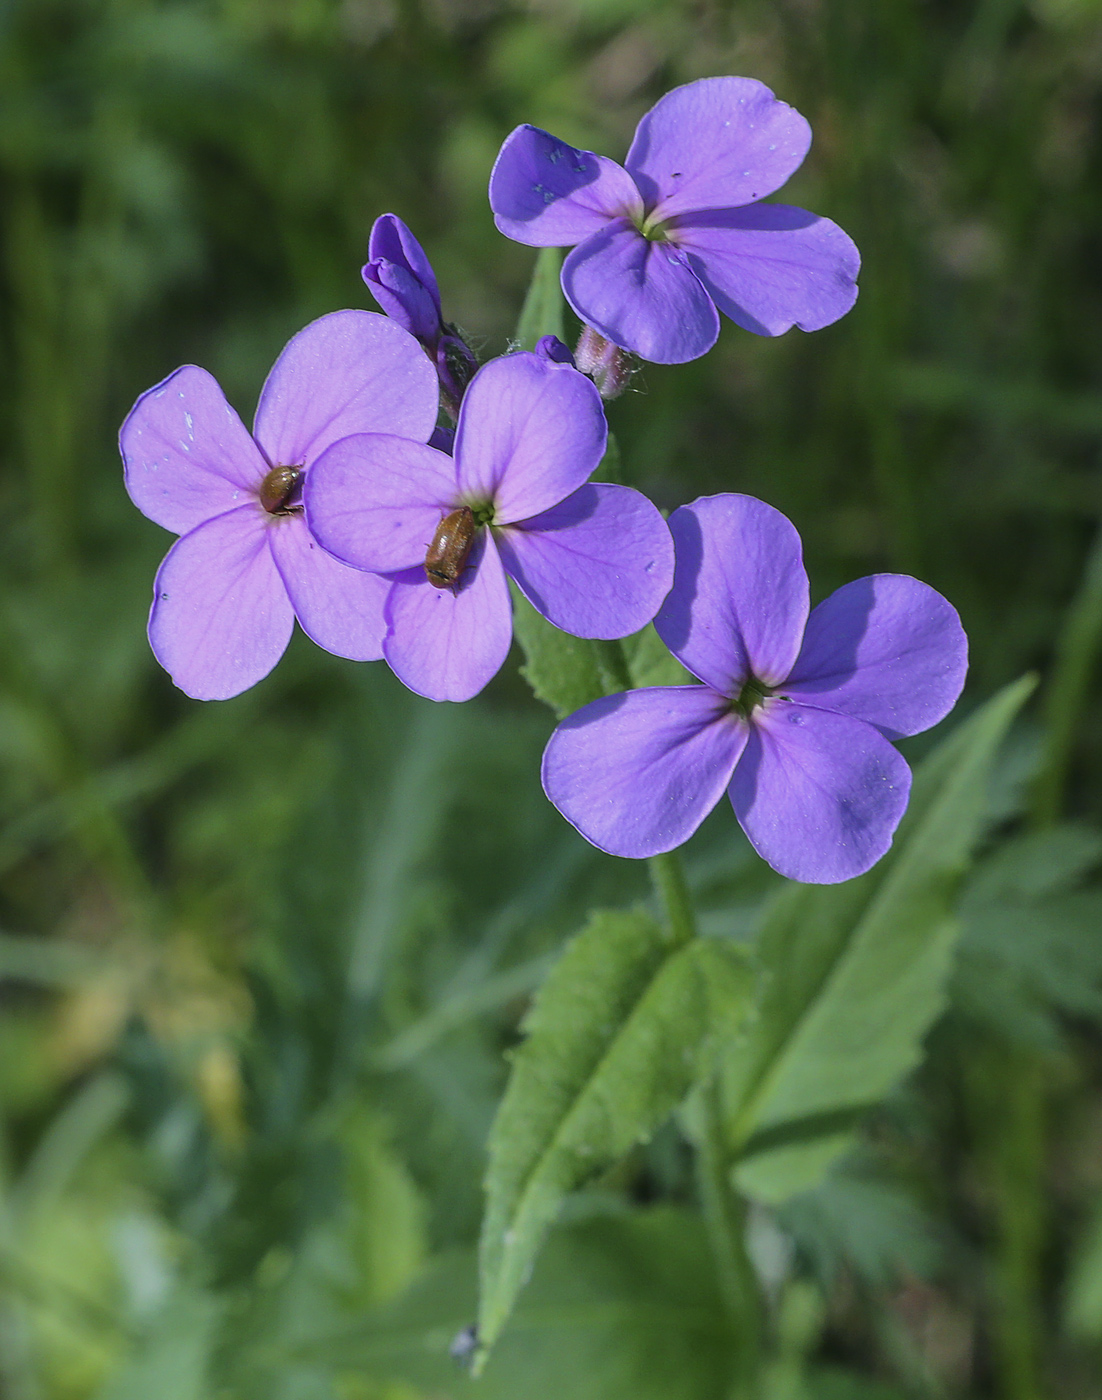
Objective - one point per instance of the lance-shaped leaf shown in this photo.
(856, 974)
(618, 1034)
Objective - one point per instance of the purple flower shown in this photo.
(513, 501)
(678, 236)
(400, 278)
(246, 565)
(793, 717)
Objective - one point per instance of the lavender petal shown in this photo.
(818, 794)
(739, 599)
(374, 500)
(640, 294)
(339, 608)
(548, 194)
(715, 143)
(221, 618)
(447, 643)
(886, 649)
(187, 455)
(530, 432)
(596, 565)
(637, 773)
(772, 266)
(349, 372)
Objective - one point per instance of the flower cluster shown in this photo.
(391, 489)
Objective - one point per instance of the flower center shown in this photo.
(655, 230)
(750, 697)
(277, 488)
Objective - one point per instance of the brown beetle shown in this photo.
(277, 487)
(447, 555)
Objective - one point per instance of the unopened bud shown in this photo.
(607, 365)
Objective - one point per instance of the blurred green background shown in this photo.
(259, 960)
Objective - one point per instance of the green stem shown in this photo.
(667, 876)
(725, 1219)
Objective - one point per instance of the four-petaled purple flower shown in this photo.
(514, 500)
(794, 715)
(679, 233)
(400, 278)
(227, 594)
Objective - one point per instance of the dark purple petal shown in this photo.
(548, 194)
(772, 266)
(339, 608)
(349, 372)
(597, 565)
(637, 773)
(374, 501)
(886, 649)
(715, 143)
(818, 794)
(221, 618)
(392, 240)
(187, 455)
(446, 643)
(530, 432)
(641, 294)
(403, 298)
(443, 439)
(739, 599)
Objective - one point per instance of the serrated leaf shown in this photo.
(857, 974)
(542, 312)
(619, 1032)
(619, 1306)
(562, 670)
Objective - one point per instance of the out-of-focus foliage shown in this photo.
(261, 961)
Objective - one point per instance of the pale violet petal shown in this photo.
(637, 773)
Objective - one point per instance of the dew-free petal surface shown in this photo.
(637, 773)
(221, 618)
(597, 565)
(446, 643)
(375, 500)
(818, 794)
(338, 607)
(641, 295)
(772, 266)
(348, 372)
(187, 454)
(885, 649)
(391, 239)
(530, 432)
(550, 195)
(740, 596)
(715, 143)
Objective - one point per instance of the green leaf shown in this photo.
(563, 671)
(857, 974)
(542, 313)
(616, 1037)
(651, 662)
(620, 1306)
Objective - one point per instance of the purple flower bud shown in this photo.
(550, 347)
(607, 365)
(403, 298)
